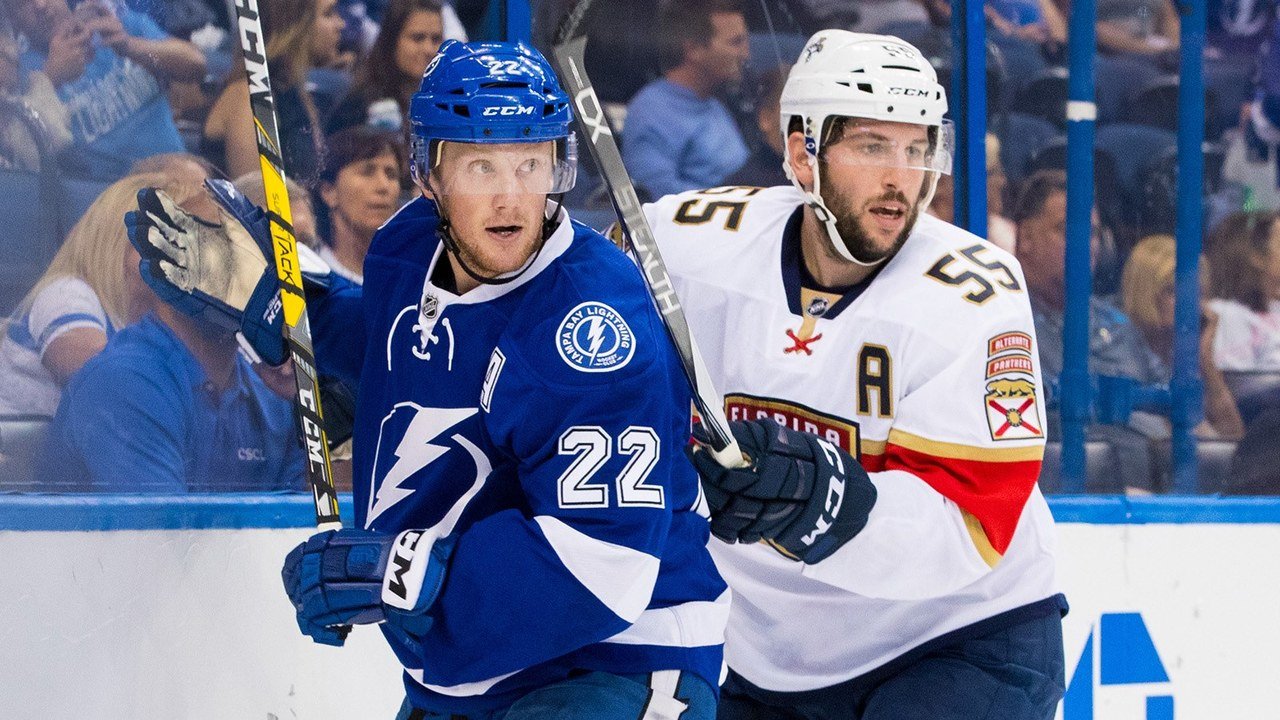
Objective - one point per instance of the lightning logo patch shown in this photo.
(420, 445)
(593, 337)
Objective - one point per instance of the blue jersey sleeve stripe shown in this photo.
(620, 577)
(67, 322)
(688, 625)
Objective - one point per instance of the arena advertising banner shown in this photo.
(171, 609)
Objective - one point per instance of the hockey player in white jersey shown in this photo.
(889, 551)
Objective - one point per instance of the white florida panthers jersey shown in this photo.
(928, 372)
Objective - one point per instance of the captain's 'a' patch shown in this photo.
(593, 337)
(1012, 409)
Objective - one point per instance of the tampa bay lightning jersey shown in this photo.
(543, 422)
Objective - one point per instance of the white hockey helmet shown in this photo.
(877, 77)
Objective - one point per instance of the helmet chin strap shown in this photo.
(444, 230)
(828, 219)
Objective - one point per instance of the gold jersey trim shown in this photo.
(957, 451)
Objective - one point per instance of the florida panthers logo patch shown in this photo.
(593, 337)
(1011, 409)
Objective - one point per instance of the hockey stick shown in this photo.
(568, 53)
(297, 328)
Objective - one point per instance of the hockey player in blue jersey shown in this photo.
(526, 533)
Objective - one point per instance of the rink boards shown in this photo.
(173, 608)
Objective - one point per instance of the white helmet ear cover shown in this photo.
(825, 216)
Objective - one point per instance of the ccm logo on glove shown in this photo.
(410, 557)
(835, 493)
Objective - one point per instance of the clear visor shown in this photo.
(892, 144)
(543, 168)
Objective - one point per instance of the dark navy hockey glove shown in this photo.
(353, 576)
(799, 493)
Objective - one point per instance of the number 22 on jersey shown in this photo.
(593, 448)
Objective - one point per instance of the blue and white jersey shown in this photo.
(547, 418)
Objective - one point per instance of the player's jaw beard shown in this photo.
(856, 239)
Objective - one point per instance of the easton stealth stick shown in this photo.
(297, 328)
(568, 53)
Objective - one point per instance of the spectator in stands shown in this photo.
(1036, 21)
(764, 167)
(864, 16)
(387, 77)
(90, 290)
(34, 125)
(359, 190)
(110, 65)
(1147, 289)
(1145, 28)
(171, 406)
(1116, 348)
(301, 35)
(1252, 154)
(678, 135)
(1245, 253)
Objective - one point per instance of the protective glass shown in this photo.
(886, 144)
(543, 168)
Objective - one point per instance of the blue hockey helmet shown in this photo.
(492, 92)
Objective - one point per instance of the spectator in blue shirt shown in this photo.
(110, 66)
(171, 406)
(678, 135)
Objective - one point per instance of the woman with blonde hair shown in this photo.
(300, 35)
(1245, 248)
(1147, 291)
(90, 290)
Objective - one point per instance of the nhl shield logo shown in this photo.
(430, 306)
(1011, 409)
(593, 337)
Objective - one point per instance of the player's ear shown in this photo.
(799, 159)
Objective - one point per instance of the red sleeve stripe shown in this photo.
(991, 484)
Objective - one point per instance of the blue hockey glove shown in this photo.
(802, 495)
(220, 272)
(353, 576)
(206, 270)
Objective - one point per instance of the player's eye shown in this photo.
(871, 149)
(530, 166)
(480, 167)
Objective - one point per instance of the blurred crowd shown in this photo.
(105, 387)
